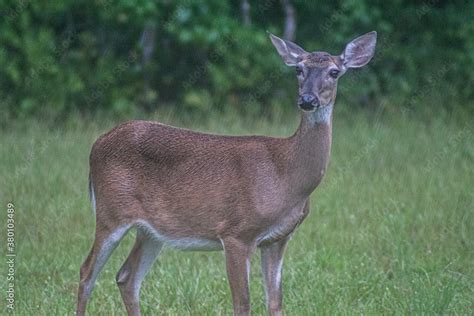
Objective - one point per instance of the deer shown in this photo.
(197, 191)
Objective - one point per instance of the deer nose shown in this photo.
(308, 101)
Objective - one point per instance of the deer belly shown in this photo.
(181, 243)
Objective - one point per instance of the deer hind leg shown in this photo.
(105, 242)
(133, 271)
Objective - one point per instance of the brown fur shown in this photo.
(191, 184)
(320, 60)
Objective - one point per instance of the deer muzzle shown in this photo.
(308, 102)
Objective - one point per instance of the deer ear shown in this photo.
(360, 51)
(289, 51)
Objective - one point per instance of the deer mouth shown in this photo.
(307, 106)
(310, 107)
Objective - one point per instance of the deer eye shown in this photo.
(299, 70)
(334, 73)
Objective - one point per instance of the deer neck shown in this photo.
(310, 150)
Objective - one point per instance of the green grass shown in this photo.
(391, 228)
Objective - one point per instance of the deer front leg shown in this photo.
(272, 261)
(237, 255)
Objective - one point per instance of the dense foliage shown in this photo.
(118, 56)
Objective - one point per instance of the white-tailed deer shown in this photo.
(196, 191)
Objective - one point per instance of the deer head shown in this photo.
(318, 72)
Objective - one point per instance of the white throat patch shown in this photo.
(321, 115)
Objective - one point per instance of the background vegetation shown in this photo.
(391, 228)
(124, 56)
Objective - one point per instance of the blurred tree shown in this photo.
(246, 12)
(120, 55)
(290, 20)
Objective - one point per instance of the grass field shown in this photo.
(391, 228)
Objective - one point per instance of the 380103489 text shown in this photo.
(10, 257)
